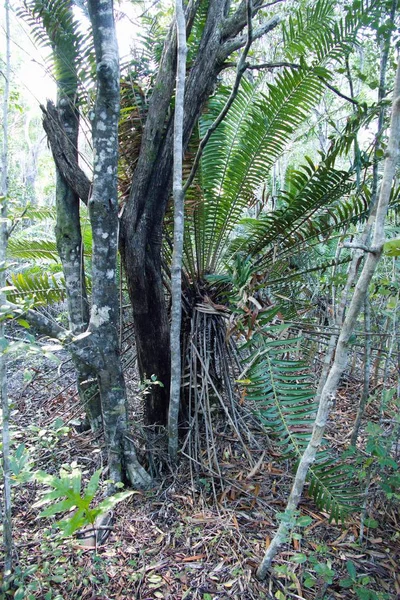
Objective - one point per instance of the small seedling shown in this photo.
(66, 496)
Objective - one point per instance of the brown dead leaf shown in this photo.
(193, 558)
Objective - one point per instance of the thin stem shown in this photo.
(176, 268)
(7, 523)
(367, 373)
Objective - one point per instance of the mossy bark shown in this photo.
(103, 341)
(68, 227)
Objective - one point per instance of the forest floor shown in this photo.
(191, 537)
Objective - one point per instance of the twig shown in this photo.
(358, 246)
(337, 92)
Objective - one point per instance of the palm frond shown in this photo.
(284, 399)
(308, 28)
(53, 25)
(258, 127)
(314, 198)
(37, 213)
(317, 35)
(44, 288)
(29, 249)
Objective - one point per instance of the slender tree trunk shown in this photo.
(7, 524)
(176, 269)
(341, 354)
(367, 372)
(68, 228)
(103, 210)
(70, 250)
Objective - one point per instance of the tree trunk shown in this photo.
(70, 250)
(142, 220)
(68, 227)
(103, 210)
(176, 268)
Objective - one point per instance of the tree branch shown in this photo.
(337, 92)
(234, 24)
(232, 45)
(276, 65)
(297, 66)
(358, 246)
(42, 323)
(64, 153)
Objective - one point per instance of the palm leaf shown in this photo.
(314, 205)
(29, 249)
(53, 25)
(259, 125)
(44, 288)
(284, 399)
(308, 28)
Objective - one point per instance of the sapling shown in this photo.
(341, 353)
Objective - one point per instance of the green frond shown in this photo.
(44, 288)
(255, 134)
(52, 24)
(239, 156)
(280, 389)
(317, 34)
(331, 487)
(308, 28)
(314, 199)
(37, 213)
(197, 30)
(29, 249)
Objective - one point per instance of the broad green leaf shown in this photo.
(92, 486)
(61, 506)
(392, 247)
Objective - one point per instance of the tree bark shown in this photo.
(341, 354)
(65, 121)
(176, 268)
(103, 210)
(65, 152)
(367, 373)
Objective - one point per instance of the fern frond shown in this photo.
(28, 249)
(257, 131)
(317, 35)
(238, 158)
(314, 197)
(281, 391)
(332, 488)
(44, 288)
(37, 213)
(53, 25)
(308, 28)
